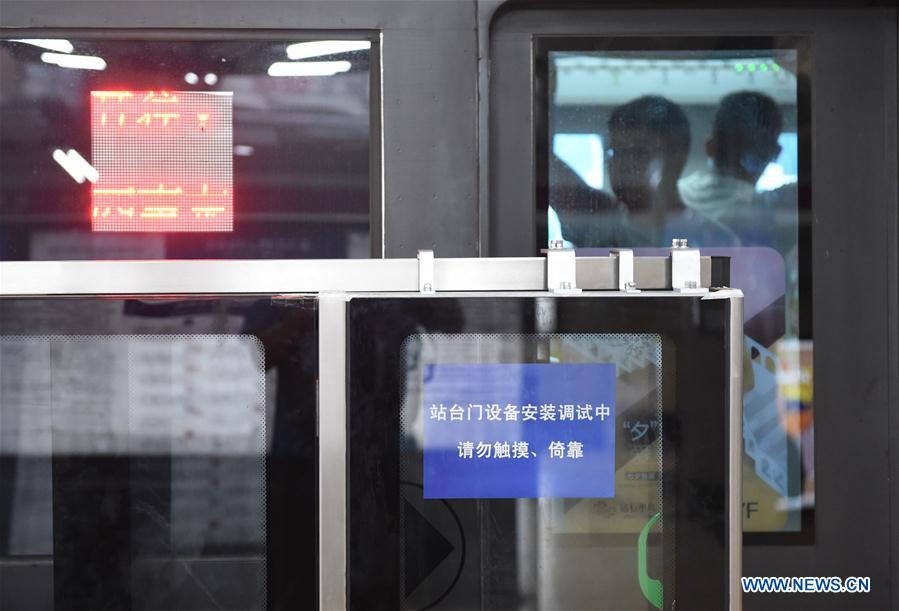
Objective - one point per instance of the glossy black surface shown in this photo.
(387, 549)
(158, 454)
(301, 164)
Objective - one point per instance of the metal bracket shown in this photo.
(426, 271)
(561, 269)
(625, 257)
(685, 268)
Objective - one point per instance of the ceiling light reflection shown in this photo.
(75, 165)
(62, 159)
(308, 68)
(319, 48)
(80, 62)
(51, 44)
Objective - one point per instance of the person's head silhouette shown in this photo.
(649, 140)
(744, 135)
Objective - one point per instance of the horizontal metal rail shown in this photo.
(208, 277)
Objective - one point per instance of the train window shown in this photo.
(158, 454)
(643, 140)
(151, 146)
(507, 452)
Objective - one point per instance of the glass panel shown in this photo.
(704, 139)
(158, 454)
(505, 422)
(529, 453)
(242, 148)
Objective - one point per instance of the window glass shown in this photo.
(147, 148)
(547, 453)
(503, 415)
(703, 139)
(157, 454)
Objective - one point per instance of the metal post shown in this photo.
(332, 452)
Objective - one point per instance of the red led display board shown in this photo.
(164, 160)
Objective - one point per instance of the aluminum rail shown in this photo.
(207, 277)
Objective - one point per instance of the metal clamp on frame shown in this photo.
(625, 258)
(561, 269)
(426, 271)
(685, 268)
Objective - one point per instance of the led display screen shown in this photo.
(163, 161)
(207, 145)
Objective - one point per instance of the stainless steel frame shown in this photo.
(332, 461)
(338, 281)
(735, 468)
(333, 443)
(27, 278)
(735, 464)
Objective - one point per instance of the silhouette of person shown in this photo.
(649, 142)
(744, 141)
(575, 206)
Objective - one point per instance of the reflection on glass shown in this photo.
(301, 146)
(570, 577)
(648, 146)
(157, 455)
(619, 507)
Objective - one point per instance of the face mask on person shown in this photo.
(752, 164)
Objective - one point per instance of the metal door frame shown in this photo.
(335, 282)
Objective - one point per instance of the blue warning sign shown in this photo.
(519, 431)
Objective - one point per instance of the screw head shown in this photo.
(556, 244)
(565, 285)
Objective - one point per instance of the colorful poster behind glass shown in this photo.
(163, 161)
(519, 431)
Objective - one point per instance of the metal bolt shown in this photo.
(679, 243)
(556, 244)
(629, 286)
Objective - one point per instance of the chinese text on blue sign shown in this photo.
(519, 431)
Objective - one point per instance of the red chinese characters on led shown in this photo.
(164, 160)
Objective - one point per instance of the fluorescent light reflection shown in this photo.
(76, 166)
(308, 68)
(51, 44)
(79, 62)
(319, 48)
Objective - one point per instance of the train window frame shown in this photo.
(541, 47)
(376, 197)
